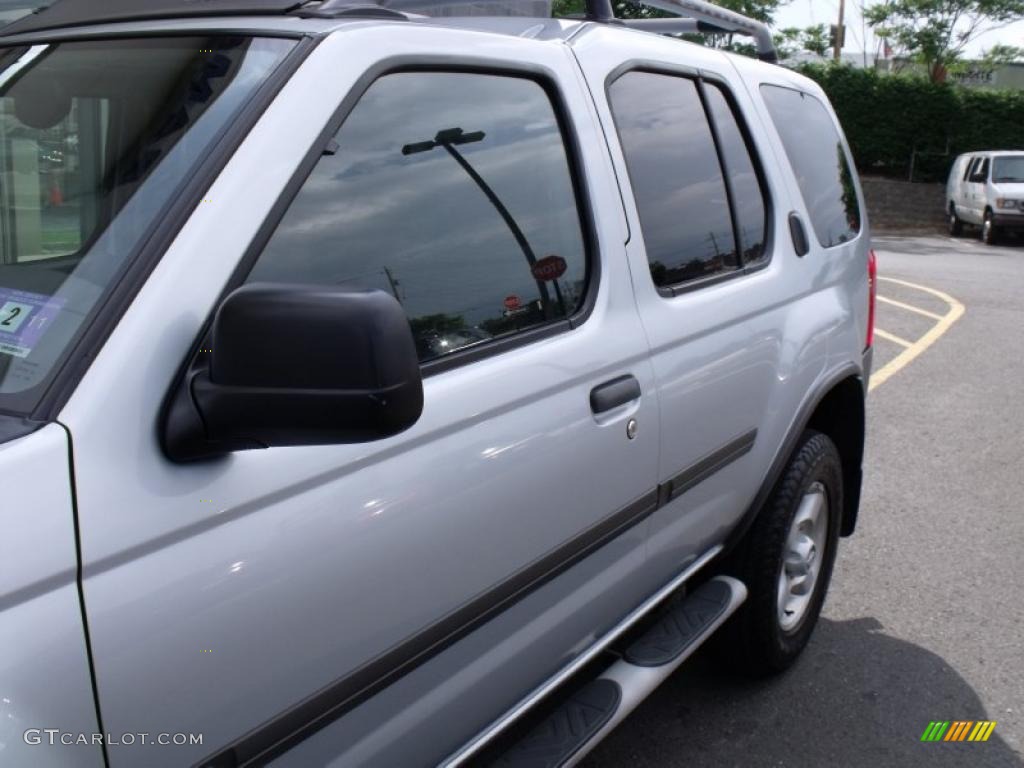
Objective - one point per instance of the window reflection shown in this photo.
(747, 193)
(452, 192)
(819, 160)
(676, 176)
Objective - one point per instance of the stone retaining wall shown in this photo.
(904, 206)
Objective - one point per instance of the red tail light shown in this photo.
(872, 291)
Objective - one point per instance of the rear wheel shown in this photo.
(989, 230)
(956, 225)
(786, 561)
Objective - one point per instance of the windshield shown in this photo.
(96, 138)
(1008, 170)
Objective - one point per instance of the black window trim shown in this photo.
(538, 73)
(984, 169)
(861, 203)
(701, 76)
(104, 316)
(970, 167)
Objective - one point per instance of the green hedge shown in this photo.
(887, 118)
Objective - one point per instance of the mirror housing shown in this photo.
(297, 365)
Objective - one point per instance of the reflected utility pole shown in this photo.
(393, 283)
(448, 139)
(837, 53)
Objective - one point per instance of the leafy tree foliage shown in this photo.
(935, 32)
(889, 119)
(792, 40)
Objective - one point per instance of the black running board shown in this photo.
(559, 736)
(681, 626)
(580, 722)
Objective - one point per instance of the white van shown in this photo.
(987, 189)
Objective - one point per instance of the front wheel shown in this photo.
(989, 231)
(956, 224)
(786, 561)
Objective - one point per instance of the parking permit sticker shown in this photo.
(24, 318)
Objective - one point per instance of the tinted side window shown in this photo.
(676, 177)
(970, 168)
(748, 196)
(983, 171)
(816, 153)
(451, 191)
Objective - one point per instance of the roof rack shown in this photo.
(693, 15)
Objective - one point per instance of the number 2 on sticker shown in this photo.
(15, 311)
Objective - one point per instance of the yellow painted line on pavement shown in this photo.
(943, 324)
(893, 338)
(909, 308)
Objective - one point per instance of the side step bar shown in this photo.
(586, 717)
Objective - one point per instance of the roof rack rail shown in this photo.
(693, 15)
(707, 17)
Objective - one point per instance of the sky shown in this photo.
(803, 13)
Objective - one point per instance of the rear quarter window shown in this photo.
(816, 153)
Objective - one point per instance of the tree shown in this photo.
(1000, 54)
(793, 40)
(936, 32)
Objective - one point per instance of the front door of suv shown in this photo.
(404, 592)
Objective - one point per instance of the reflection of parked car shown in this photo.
(244, 516)
(986, 189)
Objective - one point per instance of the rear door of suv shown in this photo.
(737, 326)
(406, 591)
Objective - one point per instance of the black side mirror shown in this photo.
(297, 365)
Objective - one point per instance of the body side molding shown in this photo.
(291, 726)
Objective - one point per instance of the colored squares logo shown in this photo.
(958, 730)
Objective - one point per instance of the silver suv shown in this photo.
(380, 389)
(986, 189)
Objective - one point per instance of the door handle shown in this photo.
(614, 393)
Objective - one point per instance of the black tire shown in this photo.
(754, 640)
(989, 231)
(956, 224)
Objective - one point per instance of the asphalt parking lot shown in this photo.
(925, 618)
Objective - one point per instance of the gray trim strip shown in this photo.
(710, 464)
(276, 736)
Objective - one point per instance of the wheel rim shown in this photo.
(987, 230)
(802, 557)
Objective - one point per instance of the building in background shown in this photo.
(975, 74)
